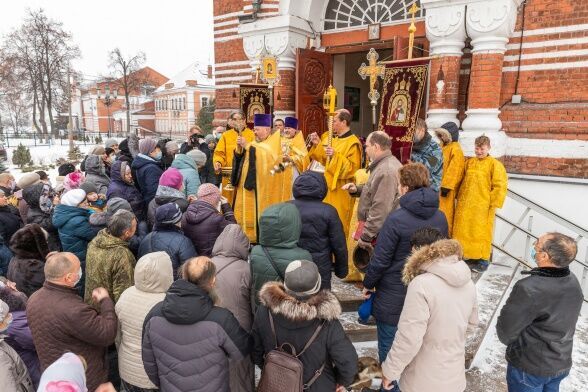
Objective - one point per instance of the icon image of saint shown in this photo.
(399, 111)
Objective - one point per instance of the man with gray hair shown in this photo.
(109, 262)
(538, 321)
(377, 197)
(61, 322)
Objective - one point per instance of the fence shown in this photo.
(11, 139)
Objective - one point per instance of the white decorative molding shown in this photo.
(546, 44)
(445, 29)
(547, 148)
(438, 117)
(281, 114)
(482, 120)
(490, 24)
(253, 45)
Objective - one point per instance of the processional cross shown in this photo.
(373, 70)
(412, 29)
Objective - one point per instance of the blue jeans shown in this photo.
(386, 333)
(519, 381)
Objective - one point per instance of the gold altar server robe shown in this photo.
(340, 170)
(265, 189)
(227, 144)
(482, 191)
(297, 151)
(453, 167)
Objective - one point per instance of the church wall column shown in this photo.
(445, 28)
(490, 24)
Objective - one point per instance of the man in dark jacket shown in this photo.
(10, 220)
(322, 231)
(203, 223)
(187, 340)
(40, 197)
(30, 248)
(427, 151)
(538, 321)
(419, 207)
(61, 322)
(298, 307)
(196, 140)
(147, 169)
(168, 237)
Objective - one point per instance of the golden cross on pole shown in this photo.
(373, 70)
(412, 28)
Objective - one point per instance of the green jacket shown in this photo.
(279, 231)
(109, 264)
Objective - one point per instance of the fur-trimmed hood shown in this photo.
(323, 305)
(443, 135)
(442, 258)
(30, 242)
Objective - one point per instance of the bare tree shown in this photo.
(125, 70)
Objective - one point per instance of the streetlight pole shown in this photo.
(108, 100)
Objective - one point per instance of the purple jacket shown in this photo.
(202, 224)
(119, 188)
(20, 339)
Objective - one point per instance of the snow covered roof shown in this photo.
(194, 72)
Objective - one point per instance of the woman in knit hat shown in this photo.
(73, 180)
(41, 198)
(96, 201)
(203, 222)
(147, 169)
(25, 181)
(123, 186)
(169, 190)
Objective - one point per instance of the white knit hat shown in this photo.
(73, 198)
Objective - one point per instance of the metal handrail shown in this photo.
(548, 213)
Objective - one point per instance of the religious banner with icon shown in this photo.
(404, 88)
(254, 99)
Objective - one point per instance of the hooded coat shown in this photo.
(188, 341)
(428, 352)
(20, 339)
(153, 277)
(32, 194)
(418, 208)
(26, 268)
(171, 240)
(295, 321)
(202, 223)
(147, 173)
(109, 264)
(13, 371)
(75, 231)
(119, 188)
(233, 286)
(279, 232)
(96, 173)
(164, 195)
(189, 170)
(322, 231)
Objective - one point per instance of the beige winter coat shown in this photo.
(153, 276)
(428, 353)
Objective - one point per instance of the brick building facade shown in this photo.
(512, 69)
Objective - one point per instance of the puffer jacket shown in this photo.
(153, 277)
(165, 194)
(418, 208)
(96, 173)
(429, 153)
(171, 240)
(279, 233)
(109, 264)
(202, 223)
(10, 221)
(233, 286)
(32, 194)
(189, 170)
(75, 231)
(26, 268)
(147, 172)
(322, 231)
(187, 341)
(60, 321)
(428, 353)
(20, 339)
(119, 188)
(295, 321)
(13, 372)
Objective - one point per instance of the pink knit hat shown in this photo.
(172, 178)
(73, 180)
(209, 193)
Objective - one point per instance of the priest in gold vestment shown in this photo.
(255, 187)
(345, 160)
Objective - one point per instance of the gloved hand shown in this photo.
(445, 192)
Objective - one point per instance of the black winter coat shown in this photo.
(418, 209)
(171, 240)
(202, 224)
(147, 172)
(119, 188)
(32, 194)
(187, 341)
(10, 221)
(295, 321)
(158, 201)
(322, 231)
(538, 321)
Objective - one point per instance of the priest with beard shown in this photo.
(255, 187)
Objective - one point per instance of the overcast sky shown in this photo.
(172, 33)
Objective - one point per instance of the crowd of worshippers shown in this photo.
(132, 273)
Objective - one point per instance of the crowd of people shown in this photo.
(137, 271)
